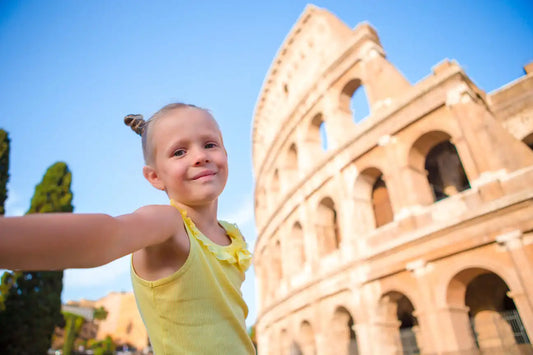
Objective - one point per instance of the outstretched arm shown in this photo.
(55, 241)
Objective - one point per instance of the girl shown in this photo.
(186, 267)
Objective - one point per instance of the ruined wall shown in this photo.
(397, 231)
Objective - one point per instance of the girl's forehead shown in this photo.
(186, 122)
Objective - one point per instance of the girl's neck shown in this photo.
(203, 216)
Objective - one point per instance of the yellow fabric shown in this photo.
(199, 309)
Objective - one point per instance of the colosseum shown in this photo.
(407, 232)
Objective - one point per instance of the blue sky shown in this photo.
(70, 71)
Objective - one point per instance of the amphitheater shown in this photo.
(409, 231)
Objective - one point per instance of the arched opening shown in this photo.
(284, 342)
(297, 249)
(295, 349)
(381, 203)
(495, 321)
(445, 172)
(343, 340)
(354, 100)
(277, 267)
(323, 136)
(490, 320)
(371, 201)
(400, 326)
(314, 134)
(275, 191)
(291, 166)
(307, 336)
(408, 326)
(528, 140)
(327, 229)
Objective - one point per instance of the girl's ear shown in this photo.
(151, 175)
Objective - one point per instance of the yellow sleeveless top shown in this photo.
(199, 309)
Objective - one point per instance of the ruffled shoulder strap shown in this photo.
(235, 253)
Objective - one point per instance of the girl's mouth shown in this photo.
(203, 174)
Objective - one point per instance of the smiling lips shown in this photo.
(203, 174)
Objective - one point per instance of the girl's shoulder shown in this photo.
(166, 257)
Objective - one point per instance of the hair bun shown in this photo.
(136, 123)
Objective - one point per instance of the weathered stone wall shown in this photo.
(407, 226)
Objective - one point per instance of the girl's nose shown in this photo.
(201, 158)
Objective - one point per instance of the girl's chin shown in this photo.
(197, 201)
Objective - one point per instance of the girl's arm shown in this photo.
(55, 241)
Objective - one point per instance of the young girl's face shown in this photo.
(190, 162)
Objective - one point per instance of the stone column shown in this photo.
(523, 267)
(381, 79)
(455, 331)
(483, 133)
(339, 125)
(386, 335)
(365, 342)
(394, 185)
(428, 332)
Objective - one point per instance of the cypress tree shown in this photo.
(7, 277)
(4, 168)
(33, 304)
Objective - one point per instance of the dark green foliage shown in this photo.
(100, 313)
(73, 324)
(30, 316)
(53, 193)
(7, 279)
(4, 168)
(104, 347)
(6, 282)
(33, 303)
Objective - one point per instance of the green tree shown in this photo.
(73, 325)
(4, 168)
(33, 303)
(104, 347)
(7, 279)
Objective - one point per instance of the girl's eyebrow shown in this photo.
(211, 136)
(175, 144)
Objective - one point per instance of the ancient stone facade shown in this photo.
(123, 322)
(410, 231)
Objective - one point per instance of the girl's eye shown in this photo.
(179, 152)
(210, 145)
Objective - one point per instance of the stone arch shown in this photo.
(399, 324)
(275, 190)
(371, 199)
(487, 308)
(327, 226)
(297, 250)
(284, 342)
(353, 100)
(381, 203)
(291, 167)
(434, 150)
(343, 338)
(450, 290)
(307, 339)
(277, 266)
(445, 172)
(313, 137)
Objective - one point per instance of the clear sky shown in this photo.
(70, 71)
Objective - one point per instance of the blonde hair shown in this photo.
(137, 123)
